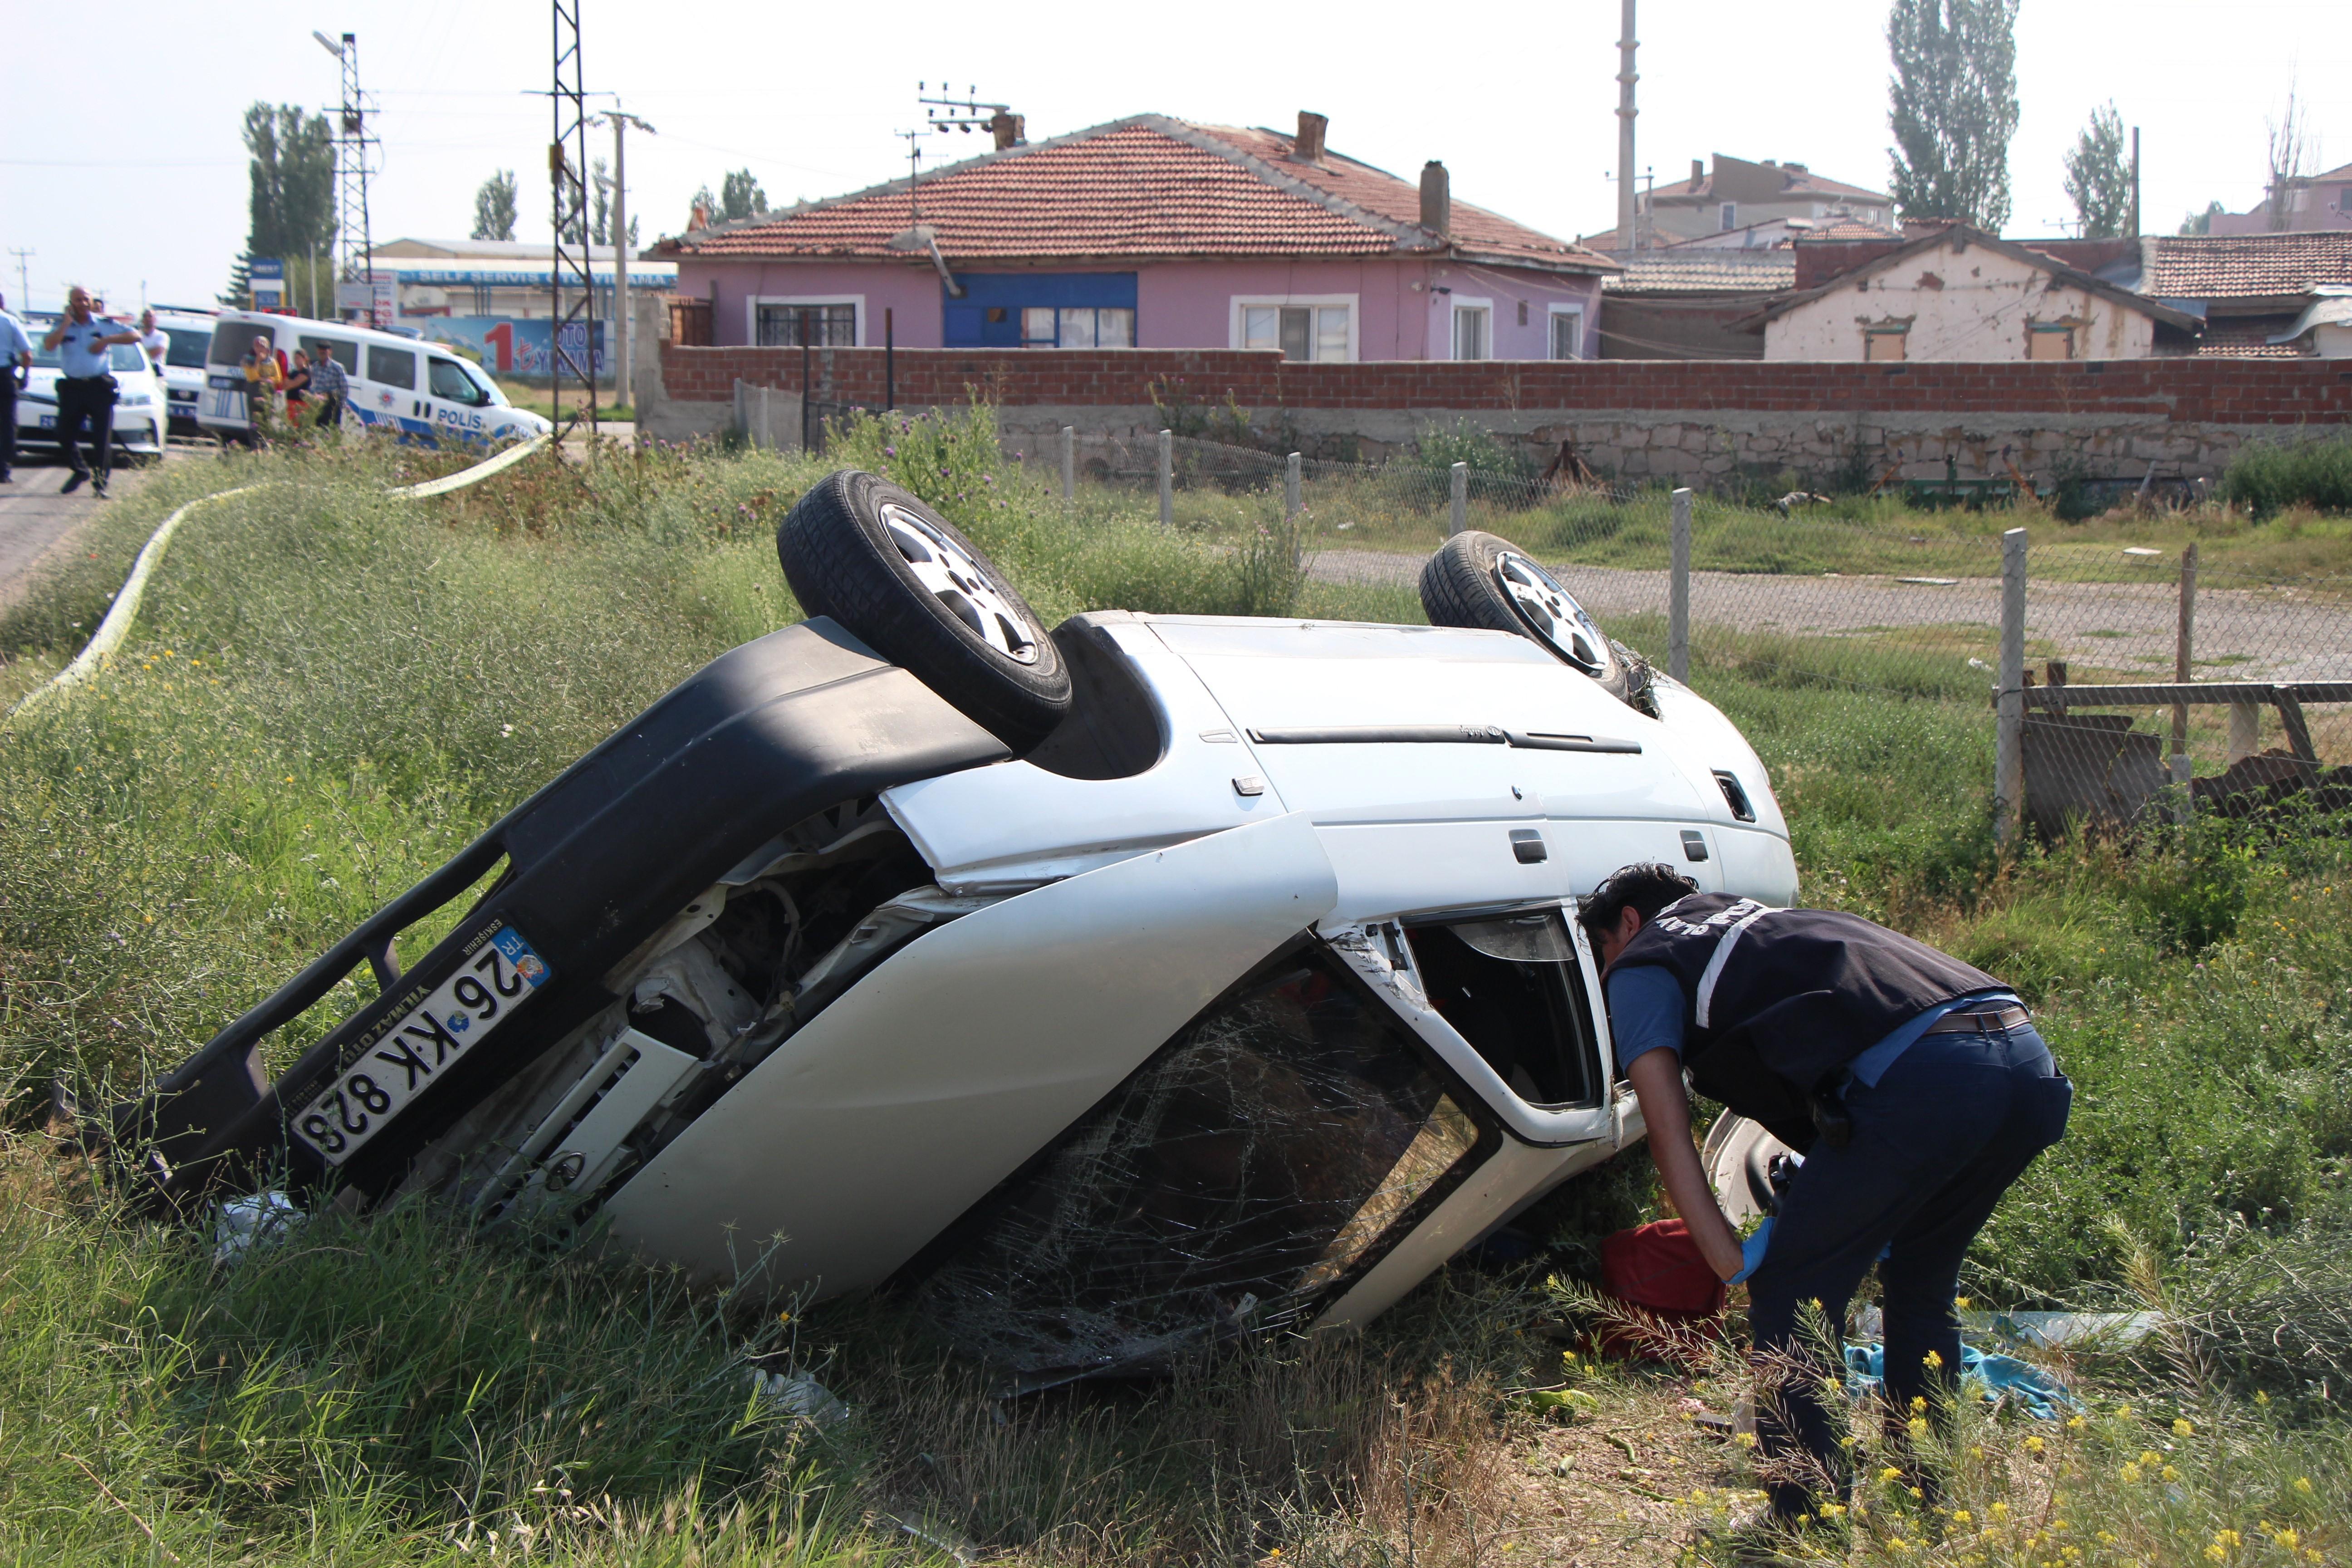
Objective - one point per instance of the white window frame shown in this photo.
(1731, 218)
(751, 312)
(1237, 319)
(1469, 302)
(1553, 311)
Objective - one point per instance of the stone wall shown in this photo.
(1689, 421)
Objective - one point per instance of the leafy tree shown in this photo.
(2202, 223)
(290, 206)
(740, 196)
(2099, 176)
(1954, 108)
(494, 206)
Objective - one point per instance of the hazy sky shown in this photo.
(121, 165)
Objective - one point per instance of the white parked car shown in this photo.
(1112, 989)
(191, 336)
(139, 411)
(412, 389)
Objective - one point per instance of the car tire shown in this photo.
(1487, 583)
(904, 580)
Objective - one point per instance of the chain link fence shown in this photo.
(1870, 594)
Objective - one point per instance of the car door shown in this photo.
(455, 404)
(392, 398)
(912, 1097)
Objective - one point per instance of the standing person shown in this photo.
(296, 388)
(1916, 1087)
(263, 376)
(153, 341)
(85, 389)
(15, 364)
(330, 386)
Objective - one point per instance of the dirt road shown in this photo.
(37, 524)
(2241, 633)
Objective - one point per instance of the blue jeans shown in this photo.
(1948, 1128)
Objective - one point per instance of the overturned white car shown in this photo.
(1108, 990)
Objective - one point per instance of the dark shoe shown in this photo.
(97, 487)
(73, 483)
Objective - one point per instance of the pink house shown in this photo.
(1152, 233)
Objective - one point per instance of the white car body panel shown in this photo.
(868, 1131)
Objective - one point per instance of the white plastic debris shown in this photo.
(241, 1224)
(801, 1396)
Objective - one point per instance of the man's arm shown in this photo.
(56, 334)
(1665, 1110)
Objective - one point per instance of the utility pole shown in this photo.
(2134, 210)
(23, 276)
(351, 142)
(1627, 77)
(573, 263)
(624, 390)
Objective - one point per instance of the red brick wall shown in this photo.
(2207, 390)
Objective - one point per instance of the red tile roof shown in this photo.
(2227, 339)
(1146, 187)
(2243, 266)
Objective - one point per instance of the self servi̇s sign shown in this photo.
(509, 346)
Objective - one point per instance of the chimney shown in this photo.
(1308, 148)
(1436, 198)
(1010, 130)
(1698, 172)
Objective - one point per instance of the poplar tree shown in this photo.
(494, 206)
(1953, 108)
(290, 200)
(2098, 176)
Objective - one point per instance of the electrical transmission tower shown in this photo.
(573, 283)
(351, 144)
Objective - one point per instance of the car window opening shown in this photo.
(1266, 1156)
(1513, 989)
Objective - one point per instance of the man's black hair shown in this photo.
(1648, 886)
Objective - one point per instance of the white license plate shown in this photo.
(48, 421)
(415, 1047)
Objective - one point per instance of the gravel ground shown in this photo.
(2241, 633)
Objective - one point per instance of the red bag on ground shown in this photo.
(1658, 1268)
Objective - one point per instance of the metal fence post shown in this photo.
(2181, 672)
(1290, 476)
(1457, 507)
(1678, 591)
(1069, 464)
(1168, 479)
(2008, 741)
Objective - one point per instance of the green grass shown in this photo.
(330, 691)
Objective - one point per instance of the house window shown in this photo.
(2052, 340)
(1300, 331)
(1730, 214)
(1567, 334)
(1884, 344)
(1078, 327)
(1471, 338)
(829, 325)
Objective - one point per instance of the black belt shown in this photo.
(1982, 1021)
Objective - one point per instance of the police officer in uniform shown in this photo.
(1915, 1088)
(15, 361)
(85, 389)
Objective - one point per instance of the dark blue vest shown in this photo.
(1775, 1001)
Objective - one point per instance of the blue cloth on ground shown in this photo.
(2035, 1391)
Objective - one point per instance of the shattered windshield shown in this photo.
(1266, 1156)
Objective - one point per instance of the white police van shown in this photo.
(412, 389)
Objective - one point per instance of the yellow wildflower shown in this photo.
(2034, 1445)
(2288, 1538)
(1918, 1426)
(1918, 1404)
(2303, 1485)
(2169, 1474)
(1962, 1516)
(1999, 1510)
(1890, 1474)
(1934, 1359)
(2181, 1429)
(2128, 1475)
(2150, 1458)
(1961, 1303)
(1746, 1439)
(2074, 1424)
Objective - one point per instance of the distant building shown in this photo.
(501, 278)
(1683, 303)
(2314, 203)
(1154, 233)
(1771, 198)
(1957, 293)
